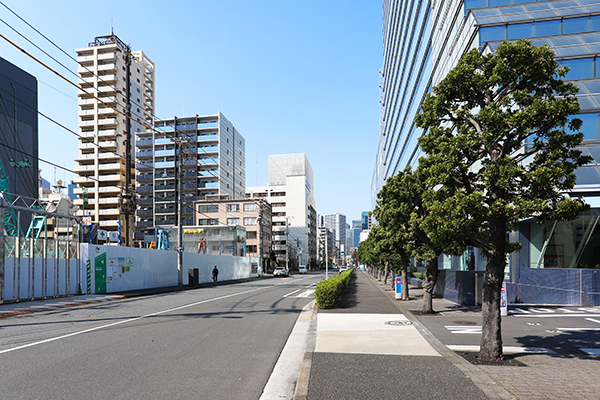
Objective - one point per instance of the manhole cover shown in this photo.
(398, 323)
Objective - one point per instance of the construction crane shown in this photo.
(10, 217)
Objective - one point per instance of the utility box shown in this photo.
(193, 277)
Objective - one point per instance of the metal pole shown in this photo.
(326, 257)
(179, 205)
(2, 267)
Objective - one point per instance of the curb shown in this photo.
(301, 392)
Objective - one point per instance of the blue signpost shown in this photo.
(398, 287)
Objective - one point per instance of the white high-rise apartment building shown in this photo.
(103, 72)
(290, 193)
(213, 161)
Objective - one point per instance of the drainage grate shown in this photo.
(398, 323)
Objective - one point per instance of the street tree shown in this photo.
(500, 146)
(392, 212)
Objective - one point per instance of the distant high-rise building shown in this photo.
(213, 158)
(337, 223)
(120, 80)
(290, 193)
(366, 220)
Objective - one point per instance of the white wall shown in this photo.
(119, 269)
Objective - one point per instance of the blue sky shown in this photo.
(292, 76)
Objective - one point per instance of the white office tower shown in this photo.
(290, 193)
(116, 82)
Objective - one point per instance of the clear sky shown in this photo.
(292, 76)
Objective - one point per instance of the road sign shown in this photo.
(114, 236)
(87, 220)
(503, 301)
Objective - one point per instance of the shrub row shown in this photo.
(330, 291)
(417, 275)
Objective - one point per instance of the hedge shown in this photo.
(330, 291)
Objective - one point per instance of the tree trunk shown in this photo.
(404, 273)
(491, 320)
(385, 273)
(393, 279)
(431, 275)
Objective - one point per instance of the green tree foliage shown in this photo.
(485, 177)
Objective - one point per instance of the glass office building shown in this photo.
(422, 42)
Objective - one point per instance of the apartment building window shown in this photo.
(211, 208)
(250, 221)
(251, 235)
(277, 194)
(249, 207)
(208, 221)
(251, 249)
(233, 221)
(233, 207)
(278, 204)
(279, 214)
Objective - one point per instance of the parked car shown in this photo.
(280, 271)
(302, 269)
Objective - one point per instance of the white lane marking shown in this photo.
(289, 294)
(593, 320)
(306, 293)
(464, 329)
(578, 329)
(552, 315)
(136, 318)
(591, 351)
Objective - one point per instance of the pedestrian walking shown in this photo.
(215, 274)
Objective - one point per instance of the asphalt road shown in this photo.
(570, 328)
(213, 343)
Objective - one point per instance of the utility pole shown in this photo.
(287, 232)
(326, 257)
(127, 199)
(179, 203)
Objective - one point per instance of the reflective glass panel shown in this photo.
(580, 69)
(492, 33)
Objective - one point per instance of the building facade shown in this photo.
(116, 83)
(337, 223)
(213, 162)
(422, 42)
(19, 135)
(253, 214)
(290, 193)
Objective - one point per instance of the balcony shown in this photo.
(106, 133)
(144, 154)
(144, 212)
(165, 211)
(109, 224)
(165, 187)
(143, 177)
(165, 199)
(107, 122)
(145, 201)
(144, 142)
(111, 178)
(111, 167)
(110, 211)
(143, 223)
(108, 144)
(84, 169)
(144, 189)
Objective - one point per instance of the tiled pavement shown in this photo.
(547, 376)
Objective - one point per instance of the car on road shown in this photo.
(280, 271)
(302, 269)
(343, 268)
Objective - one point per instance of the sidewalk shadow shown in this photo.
(349, 299)
(564, 344)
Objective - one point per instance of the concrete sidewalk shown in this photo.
(354, 356)
(368, 349)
